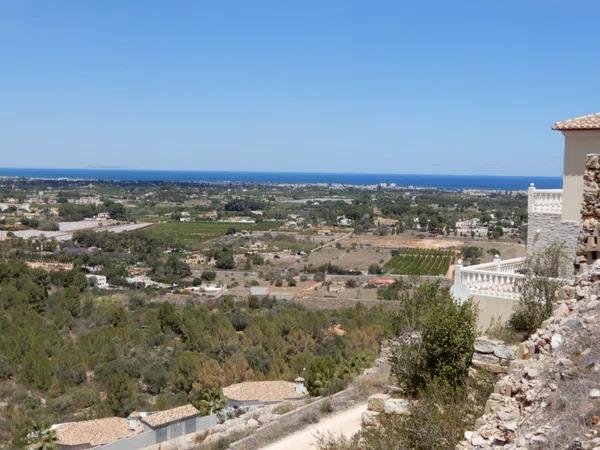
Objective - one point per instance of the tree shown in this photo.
(208, 275)
(321, 374)
(375, 269)
(120, 394)
(472, 254)
(41, 437)
(449, 334)
(36, 367)
(436, 339)
(208, 401)
(225, 261)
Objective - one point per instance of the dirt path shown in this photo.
(346, 423)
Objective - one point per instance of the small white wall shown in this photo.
(578, 144)
(490, 308)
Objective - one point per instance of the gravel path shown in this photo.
(346, 423)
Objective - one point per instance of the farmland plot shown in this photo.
(419, 261)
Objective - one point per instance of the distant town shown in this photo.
(161, 297)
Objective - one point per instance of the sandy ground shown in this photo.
(396, 241)
(346, 423)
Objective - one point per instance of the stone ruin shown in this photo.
(588, 245)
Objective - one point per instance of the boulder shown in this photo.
(376, 402)
(253, 423)
(503, 352)
(561, 310)
(595, 393)
(573, 324)
(526, 349)
(266, 418)
(369, 418)
(556, 341)
(482, 345)
(399, 406)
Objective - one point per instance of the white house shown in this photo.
(554, 215)
(98, 281)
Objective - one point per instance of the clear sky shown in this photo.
(455, 87)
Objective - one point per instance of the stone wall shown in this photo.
(588, 247)
(552, 230)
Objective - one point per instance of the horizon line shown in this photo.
(279, 172)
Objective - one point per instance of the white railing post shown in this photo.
(496, 260)
(458, 289)
(530, 198)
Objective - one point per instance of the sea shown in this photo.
(458, 182)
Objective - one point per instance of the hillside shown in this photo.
(550, 397)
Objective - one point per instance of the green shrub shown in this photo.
(539, 289)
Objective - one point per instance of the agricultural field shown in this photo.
(193, 234)
(419, 261)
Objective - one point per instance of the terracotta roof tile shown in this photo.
(263, 391)
(94, 432)
(167, 416)
(589, 122)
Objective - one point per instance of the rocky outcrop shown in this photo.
(588, 246)
(550, 395)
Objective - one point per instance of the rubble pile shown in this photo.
(550, 395)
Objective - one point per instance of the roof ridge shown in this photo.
(584, 122)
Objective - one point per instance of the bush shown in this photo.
(448, 341)
(375, 269)
(208, 275)
(539, 289)
(437, 339)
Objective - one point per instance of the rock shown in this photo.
(508, 414)
(532, 372)
(369, 418)
(478, 441)
(591, 360)
(376, 402)
(538, 440)
(266, 418)
(561, 310)
(253, 423)
(573, 324)
(482, 345)
(526, 349)
(503, 352)
(396, 406)
(556, 341)
(595, 393)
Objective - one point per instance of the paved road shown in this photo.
(345, 423)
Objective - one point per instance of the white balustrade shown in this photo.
(499, 279)
(546, 201)
(496, 279)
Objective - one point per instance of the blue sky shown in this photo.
(328, 86)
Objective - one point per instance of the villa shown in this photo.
(554, 215)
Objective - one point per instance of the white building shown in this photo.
(554, 216)
(98, 281)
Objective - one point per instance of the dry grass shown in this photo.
(284, 408)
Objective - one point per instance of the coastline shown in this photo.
(297, 179)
